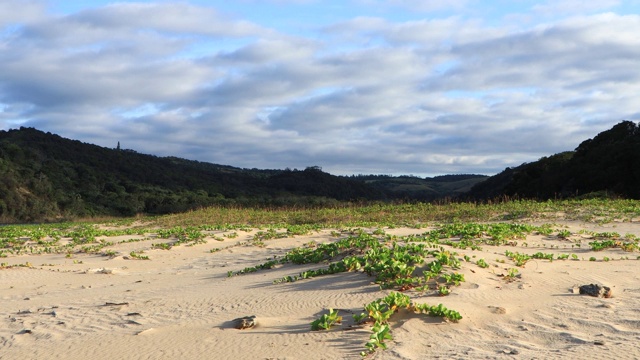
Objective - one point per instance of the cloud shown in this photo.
(570, 7)
(281, 2)
(367, 95)
(119, 55)
(173, 18)
(419, 5)
(17, 12)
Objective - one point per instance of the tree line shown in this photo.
(607, 165)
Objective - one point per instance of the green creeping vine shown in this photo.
(519, 259)
(326, 321)
(393, 264)
(138, 256)
(379, 312)
(189, 236)
(393, 267)
(268, 265)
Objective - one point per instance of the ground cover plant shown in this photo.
(326, 320)
(425, 263)
(379, 313)
(406, 269)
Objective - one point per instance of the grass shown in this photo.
(460, 223)
(416, 214)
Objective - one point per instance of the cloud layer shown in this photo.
(365, 94)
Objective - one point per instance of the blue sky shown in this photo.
(354, 86)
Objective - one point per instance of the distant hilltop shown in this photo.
(45, 177)
(607, 165)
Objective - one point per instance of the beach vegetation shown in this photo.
(163, 246)
(443, 290)
(512, 274)
(137, 255)
(540, 255)
(360, 318)
(326, 321)
(482, 263)
(358, 240)
(518, 258)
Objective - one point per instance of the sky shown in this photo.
(420, 87)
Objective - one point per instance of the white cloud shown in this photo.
(170, 17)
(367, 95)
(556, 8)
(18, 12)
(281, 2)
(420, 5)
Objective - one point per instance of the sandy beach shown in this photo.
(180, 304)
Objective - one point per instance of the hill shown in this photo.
(422, 189)
(44, 177)
(607, 164)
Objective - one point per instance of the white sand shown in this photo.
(179, 305)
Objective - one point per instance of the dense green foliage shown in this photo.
(45, 177)
(607, 165)
(414, 188)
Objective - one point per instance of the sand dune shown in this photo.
(181, 303)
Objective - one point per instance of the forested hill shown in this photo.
(422, 189)
(44, 176)
(608, 164)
